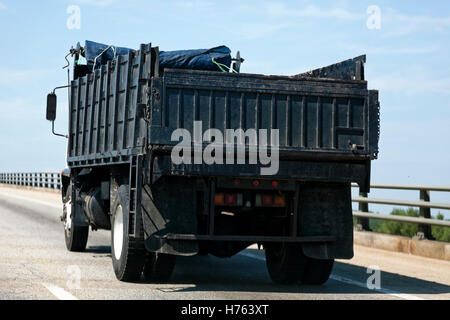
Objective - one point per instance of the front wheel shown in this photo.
(75, 236)
(128, 253)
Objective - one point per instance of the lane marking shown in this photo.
(350, 281)
(31, 200)
(382, 290)
(58, 292)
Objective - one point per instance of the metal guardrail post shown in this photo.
(362, 224)
(424, 231)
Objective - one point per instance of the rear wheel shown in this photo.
(128, 253)
(317, 271)
(75, 236)
(158, 267)
(285, 262)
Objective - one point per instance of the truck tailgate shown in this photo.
(329, 117)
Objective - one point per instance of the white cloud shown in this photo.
(2, 6)
(12, 77)
(411, 81)
(97, 3)
(424, 20)
(390, 50)
(258, 30)
(396, 24)
(280, 10)
(195, 4)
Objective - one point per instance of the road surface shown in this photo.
(34, 264)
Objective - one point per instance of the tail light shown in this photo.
(228, 199)
(219, 199)
(279, 201)
(270, 200)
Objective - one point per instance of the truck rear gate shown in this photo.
(332, 117)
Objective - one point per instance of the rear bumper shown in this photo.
(294, 170)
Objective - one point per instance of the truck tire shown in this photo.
(317, 271)
(158, 266)
(285, 262)
(75, 236)
(128, 253)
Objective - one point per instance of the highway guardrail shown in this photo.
(424, 220)
(50, 180)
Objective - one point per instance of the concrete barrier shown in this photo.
(424, 248)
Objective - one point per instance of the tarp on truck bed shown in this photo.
(197, 59)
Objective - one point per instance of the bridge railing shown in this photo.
(424, 220)
(50, 180)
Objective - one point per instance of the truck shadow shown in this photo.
(246, 274)
(99, 250)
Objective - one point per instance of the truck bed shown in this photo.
(314, 116)
(124, 106)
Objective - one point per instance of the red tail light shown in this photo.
(228, 199)
(267, 200)
(270, 200)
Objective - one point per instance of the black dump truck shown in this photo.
(127, 115)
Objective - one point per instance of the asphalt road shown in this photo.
(34, 264)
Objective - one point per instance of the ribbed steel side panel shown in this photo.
(310, 114)
(106, 124)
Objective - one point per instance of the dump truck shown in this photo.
(184, 162)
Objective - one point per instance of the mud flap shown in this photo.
(79, 218)
(326, 209)
(169, 207)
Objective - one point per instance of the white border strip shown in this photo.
(350, 281)
(58, 292)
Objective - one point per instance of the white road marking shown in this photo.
(382, 290)
(58, 292)
(350, 281)
(31, 200)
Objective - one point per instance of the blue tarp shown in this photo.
(94, 49)
(198, 59)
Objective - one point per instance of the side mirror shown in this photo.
(51, 107)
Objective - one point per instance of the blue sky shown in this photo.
(407, 60)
